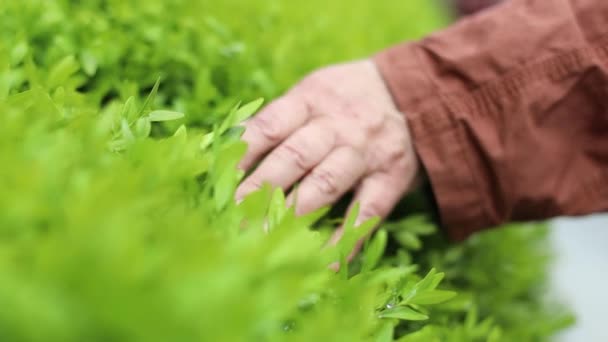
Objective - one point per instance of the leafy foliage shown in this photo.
(119, 144)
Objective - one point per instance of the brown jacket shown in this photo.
(509, 111)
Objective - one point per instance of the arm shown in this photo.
(508, 111)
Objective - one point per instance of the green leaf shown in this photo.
(126, 131)
(61, 71)
(127, 110)
(164, 115)
(393, 275)
(405, 313)
(89, 63)
(150, 97)
(430, 333)
(19, 52)
(436, 279)
(311, 218)
(181, 132)
(471, 318)
(374, 250)
(224, 189)
(353, 234)
(207, 140)
(238, 114)
(351, 217)
(495, 335)
(143, 127)
(226, 174)
(427, 282)
(247, 110)
(408, 240)
(432, 297)
(277, 208)
(255, 206)
(385, 332)
(229, 121)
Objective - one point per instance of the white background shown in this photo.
(580, 275)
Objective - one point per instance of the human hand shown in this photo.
(337, 130)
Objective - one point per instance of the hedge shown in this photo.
(118, 148)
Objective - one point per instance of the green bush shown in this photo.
(117, 222)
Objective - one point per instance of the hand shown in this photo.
(336, 130)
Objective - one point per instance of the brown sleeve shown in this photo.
(508, 110)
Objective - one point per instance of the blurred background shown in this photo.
(579, 276)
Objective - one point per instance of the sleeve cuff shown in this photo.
(439, 141)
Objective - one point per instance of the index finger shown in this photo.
(271, 126)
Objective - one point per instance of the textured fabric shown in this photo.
(508, 109)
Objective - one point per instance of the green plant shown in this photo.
(117, 222)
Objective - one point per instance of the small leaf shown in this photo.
(432, 297)
(311, 218)
(143, 127)
(254, 206)
(349, 223)
(127, 108)
(164, 115)
(392, 275)
(238, 114)
(353, 234)
(229, 121)
(207, 140)
(224, 189)
(150, 97)
(427, 282)
(374, 250)
(19, 52)
(126, 131)
(247, 110)
(471, 318)
(182, 131)
(89, 63)
(62, 71)
(277, 208)
(385, 333)
(495, 335)
(404, 313)
(408, 240)
(437, 278)
(226, 176)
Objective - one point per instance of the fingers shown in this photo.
(294, 158)
(337, 174)
(271, 126)
(377, 196)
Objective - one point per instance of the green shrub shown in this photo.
(117, 222)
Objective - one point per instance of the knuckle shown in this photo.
(386, 156)
(374, 123)
(270, 127)
(371, 121)
(295, 155)
(253, 183)
(396, 155)
(393, 151)
(325, 180)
